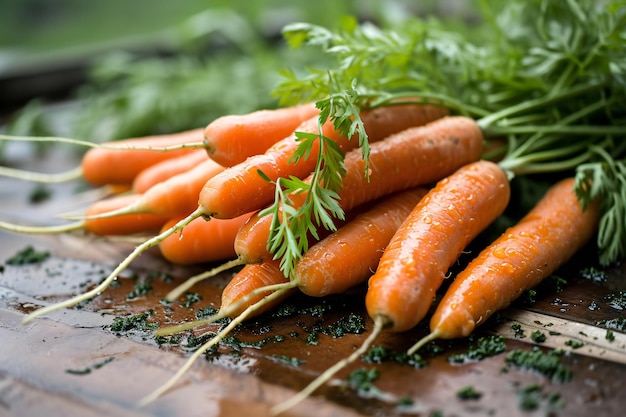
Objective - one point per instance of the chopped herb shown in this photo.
(610, 336)
(593, 274)
(574, 344)
(140, 289)
(168, 340)
(538, 336)
(483, 347)
(135, 322)
(380, 354)
(531, 397)
(39, 194)
(468, 393)
(352, 324)
(549, 364)
(206, 312)
(191, 298)
(518, 331)
(27, 256)
(362, 379)
(405, 402)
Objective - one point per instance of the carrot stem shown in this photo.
(379, 324)
(223, 313)
(209, 344)
(113, 275)
(423, 341)
(41, 177)
(62, 228)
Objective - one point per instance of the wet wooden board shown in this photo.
(71, 362)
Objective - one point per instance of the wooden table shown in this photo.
(71, 362)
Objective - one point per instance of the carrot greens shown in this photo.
(549, 77)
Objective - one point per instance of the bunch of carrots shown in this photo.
(369, 186)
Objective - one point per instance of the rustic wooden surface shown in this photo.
(71, 363)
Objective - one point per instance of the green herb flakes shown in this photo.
(28, 256)
(548, 364)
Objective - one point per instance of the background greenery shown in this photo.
(130, 68)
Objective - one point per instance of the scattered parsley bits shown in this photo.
(482, 348)
(137, 322)
(468, 393)
(538, 337)
(548, 364)
(574, 344)
(27, 256)
(610, 336)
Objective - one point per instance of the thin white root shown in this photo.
(62, 228)
(110, 145)
(41, 177)
(113, 275)
(420, 343)
(208, 345)
(225, 312)
(328, 374)
(190, 282)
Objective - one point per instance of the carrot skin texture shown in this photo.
(178, 195)
(526, 253)
(250, 278)
(349, 256)
(164, 170)
(107, 166)
(241, 189)
(419, 255)
(202, 241)
(125, 224)
(230, 139)
(411, 158)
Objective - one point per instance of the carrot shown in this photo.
(120, 225)
(349, 256)
(240, 189)
(526, 253)
(161, 171)
(204, 209)
(245, 295)
(229, 140)
(418, 257)
(413, 157)
(174, 197)
(103, 165)
(201, 241)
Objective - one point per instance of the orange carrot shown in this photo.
(101, 166)
(417, 259)
(231, 139)
(240, 189)
(120, 225)
(413, 157)
(419, 254)
(202, 241)
(205, 208)
(350, 255)
(526, 253)
(164, 170)
(243, 290)
(127, 224)
(174, 197)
